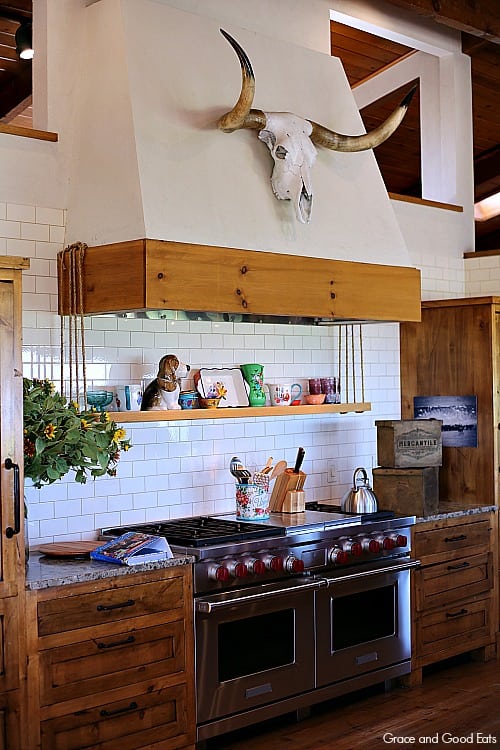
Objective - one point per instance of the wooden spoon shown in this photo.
(268, 467)
(278, 469)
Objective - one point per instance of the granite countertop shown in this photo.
(456, 510)
(44, 572)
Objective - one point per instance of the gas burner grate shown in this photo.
(202, 531)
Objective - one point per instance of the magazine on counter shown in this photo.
(133, 548)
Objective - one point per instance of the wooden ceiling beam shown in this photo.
(477, 18)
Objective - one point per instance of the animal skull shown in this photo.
(288, 139)
(291, 139)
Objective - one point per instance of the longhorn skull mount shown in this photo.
(292, 139)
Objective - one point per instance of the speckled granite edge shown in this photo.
(44, 572)
(455, 510)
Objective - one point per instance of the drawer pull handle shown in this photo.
(131, 707)
(459, 538)
(128, 640)
(109, 607)
(458, 566)
(457, 614)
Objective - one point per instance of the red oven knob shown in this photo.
(352, 548)
(237, 569)
(401, 540)
(273, 563)
(294, 565)
(371, 545)
(218, 573)
(256, 567)
(338, 556)
(388, 543)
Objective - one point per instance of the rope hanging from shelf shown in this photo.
(70, 264)
(350, 357)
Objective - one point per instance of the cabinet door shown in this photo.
(11, 501)
(11, 416)
(9, 721)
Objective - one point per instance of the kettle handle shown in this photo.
(365, 476)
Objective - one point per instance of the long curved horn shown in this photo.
(336, 142)
(241, 115)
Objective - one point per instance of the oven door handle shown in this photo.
(408, 565)
(210, 606)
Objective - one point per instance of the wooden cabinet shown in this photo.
(455, 351)
(12, 564)
(111, 663)
(453, 590)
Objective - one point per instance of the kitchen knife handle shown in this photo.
(298, 461)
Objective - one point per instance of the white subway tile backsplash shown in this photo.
(181, 468)
(16, 212)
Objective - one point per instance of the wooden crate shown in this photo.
(413, 492)
(409, 443)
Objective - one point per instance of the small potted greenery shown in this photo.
(59, 438)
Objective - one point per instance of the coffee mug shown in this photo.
(129, 397)
(282, 394)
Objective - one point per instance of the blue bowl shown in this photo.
(188, 400)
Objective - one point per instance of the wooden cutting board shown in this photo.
(68, 549)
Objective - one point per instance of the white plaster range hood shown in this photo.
(150, 162)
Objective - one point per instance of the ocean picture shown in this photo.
(458, 414)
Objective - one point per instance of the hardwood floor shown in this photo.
(458, 705)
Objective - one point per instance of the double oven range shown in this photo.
(293, 610)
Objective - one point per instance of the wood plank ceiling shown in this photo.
(362, 56)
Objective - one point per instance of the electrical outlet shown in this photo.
(332, 477)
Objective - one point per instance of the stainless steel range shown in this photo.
(293, 610)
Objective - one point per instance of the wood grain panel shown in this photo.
(97, 663)
(117, 604)
(443, 585)
(451, 353)
(157, 715)
(153, 274)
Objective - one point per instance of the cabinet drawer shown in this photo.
(110, 605)
(102, 663)
(460, 537)
(451, 581)
(135, 723)
(452, 630)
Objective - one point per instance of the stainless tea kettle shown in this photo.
(360, 498)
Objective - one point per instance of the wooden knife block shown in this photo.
(286, 482)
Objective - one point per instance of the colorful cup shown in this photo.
(129, 397)
(282, 394)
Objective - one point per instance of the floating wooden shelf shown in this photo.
(237, 412)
